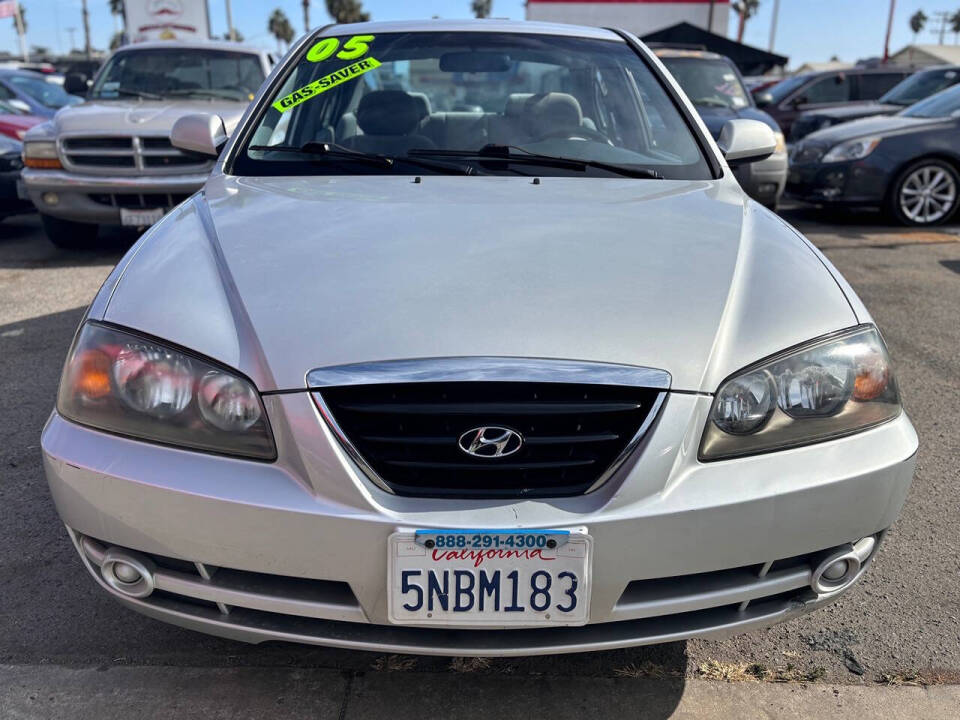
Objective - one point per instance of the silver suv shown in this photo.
(109, 161)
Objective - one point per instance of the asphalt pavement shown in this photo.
(900, 626)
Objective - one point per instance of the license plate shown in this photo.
(489, 577)
(140, 218)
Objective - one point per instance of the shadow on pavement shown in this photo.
(52, 611)
(25, 246)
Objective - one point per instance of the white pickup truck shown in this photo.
(109, 161)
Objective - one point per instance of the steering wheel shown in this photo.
(580, 133)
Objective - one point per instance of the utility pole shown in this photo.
(886, 42)
(20, 32)
(773, 24)
(710, 17)
(73, 44)
(86, 30)
(232, 33)
(944, 17)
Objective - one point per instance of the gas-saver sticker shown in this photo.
(326, 83)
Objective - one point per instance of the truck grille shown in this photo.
(129, 155)
(411, 434)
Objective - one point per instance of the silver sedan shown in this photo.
(472, 344)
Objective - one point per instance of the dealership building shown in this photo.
(640, 17)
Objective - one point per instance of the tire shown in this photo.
(925, 194)
(69, 235)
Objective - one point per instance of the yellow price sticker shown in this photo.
(325, 83)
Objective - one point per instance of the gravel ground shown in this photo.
(904, 619)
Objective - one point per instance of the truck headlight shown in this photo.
(123, 383)
(852, 150)
(41, 154)
(825, 389)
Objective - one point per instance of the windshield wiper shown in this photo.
(208, 92)
(144, 95)
(332, 150)
(515, 154)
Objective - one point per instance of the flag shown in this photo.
(8, 8)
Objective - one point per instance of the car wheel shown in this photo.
(69, 235)
(926, 193)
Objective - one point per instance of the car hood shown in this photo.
(146, 117)
(844, 113)
(716, 117)
(277, 276)
(880, 125)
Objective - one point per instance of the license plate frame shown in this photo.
(412, 559)
(144, 217)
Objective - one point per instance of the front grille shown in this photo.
(134, 154)
(409, 434)
(139, 201)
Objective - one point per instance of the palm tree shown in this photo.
(347, 11)
(917, 21)
(482, 8)
(746, 9)
(955, 25)
(280, 27)
(306, 15)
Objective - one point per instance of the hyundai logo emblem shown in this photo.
(490, 441)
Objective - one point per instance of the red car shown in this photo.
(14, 121)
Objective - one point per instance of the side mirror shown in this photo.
(203, 134)
(19, 104)
(763, 99)
(744, 141)
(76, 84)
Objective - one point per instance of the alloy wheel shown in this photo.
(928, 194)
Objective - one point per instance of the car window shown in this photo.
(830, 89)
(709, 82)
(782, 89)
(874, 85)
(168, 72)
(570, 97)
(6, 93)
(46, 93)
(944, 104)
(921, 85)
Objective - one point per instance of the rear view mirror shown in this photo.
(743, 141)
(202, 134)
(474, 62)
(76, 84)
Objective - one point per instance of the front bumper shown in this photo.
(98, 199)
(765, 180)
(860, 183)
(296, 549)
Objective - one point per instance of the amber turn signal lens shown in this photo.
(42, 163)
(91, 377)
(873, 375)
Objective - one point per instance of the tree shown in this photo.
(306, 15)
(746, 9)
(40, 51)
(23, 19)
(116, 8)
(238, 36)
(917, 21)
(86, 29)
(347, 11)
(280, 27)
(482, 8)
(955, 25)
(116, 41)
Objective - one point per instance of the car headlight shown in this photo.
(852, 149)
(781, 146)
(41, 154)
(120, 382)
(825, 389)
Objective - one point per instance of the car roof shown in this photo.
(680, 53)
(485, 25)
(192, 45)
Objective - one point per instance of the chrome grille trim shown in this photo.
(488, 368)
(130, 153)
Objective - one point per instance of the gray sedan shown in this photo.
(460, 352)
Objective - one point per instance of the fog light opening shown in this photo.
(50, 198)
(839, 568)
(128, 573)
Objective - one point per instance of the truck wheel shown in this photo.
(69, 235)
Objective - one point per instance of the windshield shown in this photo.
(46, 93)
(920, 85)
(708, 82)
(171, 72)
(434, 94)
(943, 104)
(785, 87)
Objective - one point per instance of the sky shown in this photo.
(808, 30)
